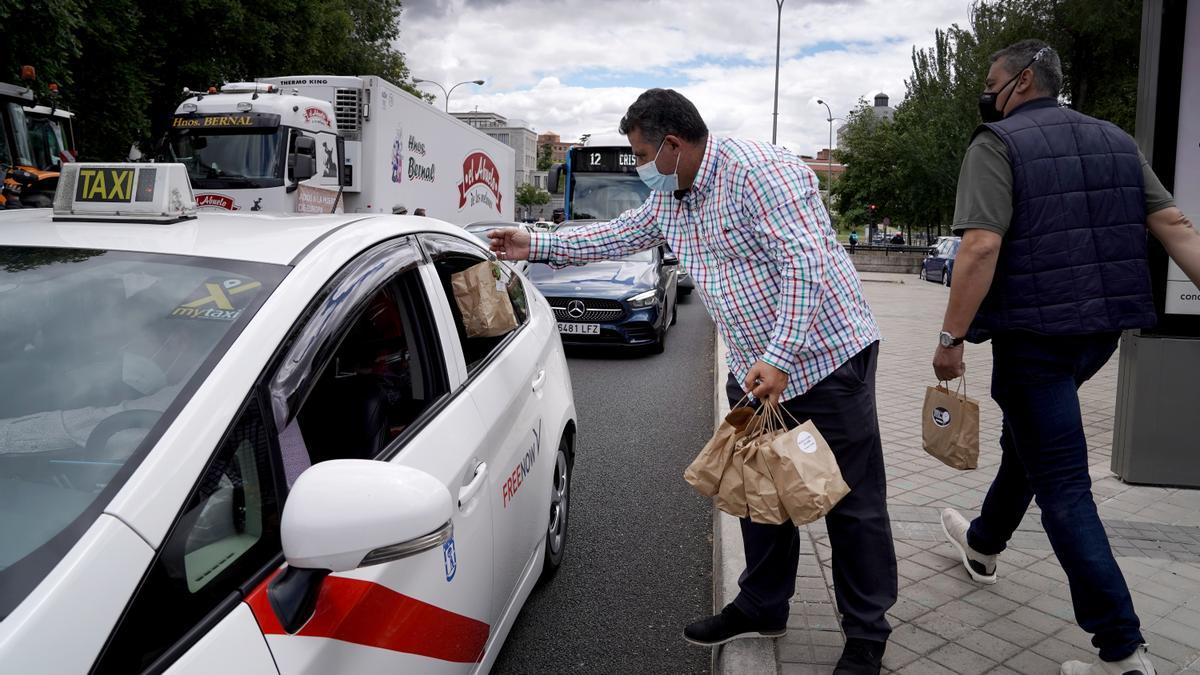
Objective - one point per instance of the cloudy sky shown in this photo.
(574, 66)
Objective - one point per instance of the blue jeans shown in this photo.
(1035, 381)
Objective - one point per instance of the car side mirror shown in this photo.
(933, 251)
(552, 177)
(350, 513)
(670, 259)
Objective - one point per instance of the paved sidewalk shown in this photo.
(943, 622)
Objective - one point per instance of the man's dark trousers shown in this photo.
(842, 406)
(1035, 381)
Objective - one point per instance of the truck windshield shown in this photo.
(99, 352)
(242, 159)
(47, 141)
(605, 196)
(22, 155)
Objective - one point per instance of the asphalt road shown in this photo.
(639, 539)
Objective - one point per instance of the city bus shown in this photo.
(598, 182)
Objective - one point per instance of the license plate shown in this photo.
(579, 328)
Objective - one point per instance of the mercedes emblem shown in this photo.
(575, 309)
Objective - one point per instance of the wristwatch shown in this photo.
(947, 340)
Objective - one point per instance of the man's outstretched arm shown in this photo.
(632, 231)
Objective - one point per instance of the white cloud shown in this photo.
(574, 66)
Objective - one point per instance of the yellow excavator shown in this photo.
(36, 138)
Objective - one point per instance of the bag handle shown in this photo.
(741, 402)
(961, 389)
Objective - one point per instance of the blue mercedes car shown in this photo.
(630, 301)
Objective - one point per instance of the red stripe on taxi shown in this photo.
(366, 613)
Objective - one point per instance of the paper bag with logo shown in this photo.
(950, 426)
(704, 473)
(483, 300)
(806, 474)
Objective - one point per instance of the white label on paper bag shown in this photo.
(806, 442)
(500, 286)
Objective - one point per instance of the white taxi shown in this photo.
(256, 444)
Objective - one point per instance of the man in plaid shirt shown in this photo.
(747, 222)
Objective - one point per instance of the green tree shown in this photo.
(910, 167)
(870, 152)
(545, 157)
(530, 195)
(123, 63)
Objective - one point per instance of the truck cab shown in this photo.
(35, 141)
(255, 147)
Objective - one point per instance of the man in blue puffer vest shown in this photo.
(1053, 207)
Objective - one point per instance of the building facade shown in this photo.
(558, 149)
(822, 166)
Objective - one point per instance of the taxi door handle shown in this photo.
(467, 492)
(539, 381)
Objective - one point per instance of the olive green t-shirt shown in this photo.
(985, 187)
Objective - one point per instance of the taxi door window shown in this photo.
(385, 371)
(227, 532)
(451, 255)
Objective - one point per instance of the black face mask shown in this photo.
(987, 100)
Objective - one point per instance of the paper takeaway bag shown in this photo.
(764, 501)
(950, 426)
(806, 474)
(483, 300)
(704, 473)
(731, 493)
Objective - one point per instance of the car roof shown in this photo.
(266, 238)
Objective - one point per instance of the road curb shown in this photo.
(743, 657)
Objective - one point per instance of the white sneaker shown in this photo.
(982, 568)
(1137, 663)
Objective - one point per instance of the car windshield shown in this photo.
(248, 158)
(99, 351)
(605, 196)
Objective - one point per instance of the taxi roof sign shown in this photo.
(124, 192)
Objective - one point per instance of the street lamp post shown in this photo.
(445, 94)
(778, 28)
(829, 156)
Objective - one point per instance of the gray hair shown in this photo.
(1038, 57)
(658, 112)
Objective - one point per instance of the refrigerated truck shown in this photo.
(321, 143)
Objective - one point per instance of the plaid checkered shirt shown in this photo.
(756, 239)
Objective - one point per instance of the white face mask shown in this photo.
(656, 180)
